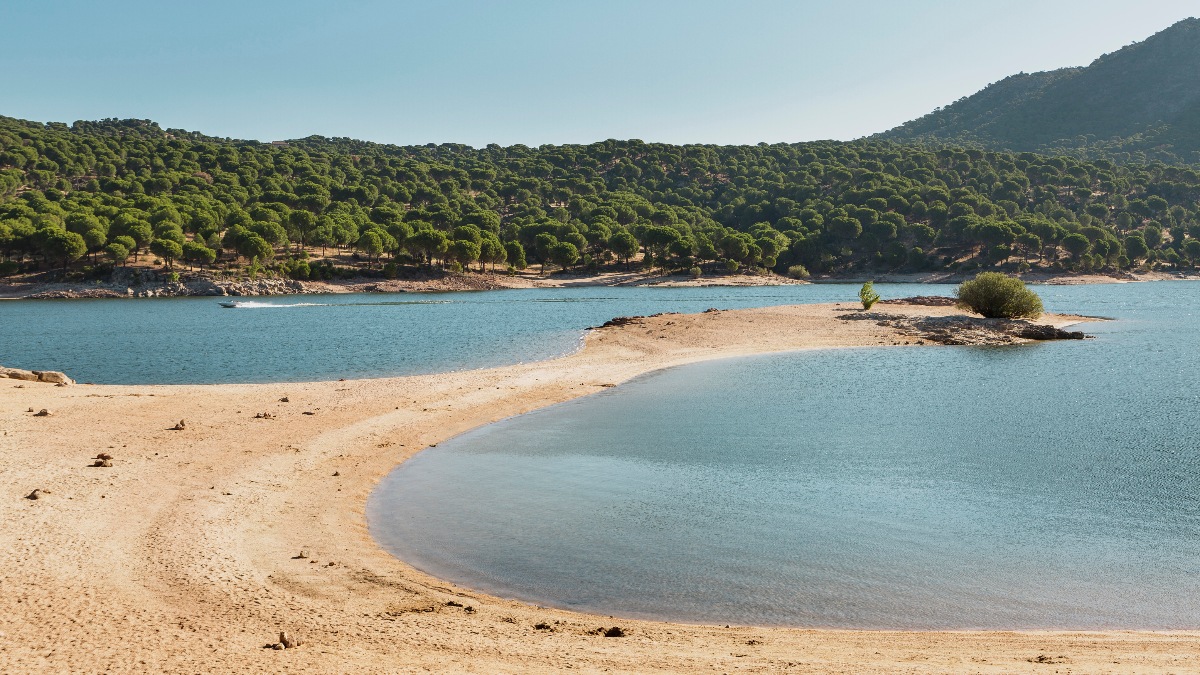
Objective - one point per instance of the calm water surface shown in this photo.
(324, 337)
(1044, 486)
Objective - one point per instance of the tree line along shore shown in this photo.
(79, 202)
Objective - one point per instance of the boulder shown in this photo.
(288, 641)
(53, 376)
(18, 374)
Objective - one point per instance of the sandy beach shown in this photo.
(184, 555)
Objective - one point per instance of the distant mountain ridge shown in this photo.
(1142, 101)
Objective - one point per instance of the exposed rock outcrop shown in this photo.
(17, 374)
(618, 321)
(143, 283)
(966, 330)
(51, 376)
(922, 300)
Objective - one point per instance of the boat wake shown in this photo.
(258, 304)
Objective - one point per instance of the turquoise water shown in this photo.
(326, 337)
(1044, 486)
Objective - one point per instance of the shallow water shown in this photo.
(1043, 486)
(326, 337)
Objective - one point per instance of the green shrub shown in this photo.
(694, 272)
(798, 272)
(731, 265)
(299, 270)
(868, 295)
(9, 268)
(997, 296)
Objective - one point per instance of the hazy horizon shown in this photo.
(542, 73)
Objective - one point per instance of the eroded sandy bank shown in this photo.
(182, 555)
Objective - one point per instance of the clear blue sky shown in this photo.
(534, 72)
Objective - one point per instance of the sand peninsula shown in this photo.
(185, 555)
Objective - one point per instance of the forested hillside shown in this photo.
(1140, 102)
(99, 194)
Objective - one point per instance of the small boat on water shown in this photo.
(230, 304)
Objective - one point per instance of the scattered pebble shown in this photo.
(105, 463)
(336, 474)
(303, 555)
(284, 400)
(264, 416)
(35, 495)
(179, 426)
(104, 455)
(41, 413)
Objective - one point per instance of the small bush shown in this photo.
(694, 272)
(868, 295)
(731, 265)
(9, 268)
(300, 270)
(997, 296)
(798, 272)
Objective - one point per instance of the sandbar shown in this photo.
(184, 555)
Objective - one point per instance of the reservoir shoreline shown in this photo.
(150, 283)
(200, 544)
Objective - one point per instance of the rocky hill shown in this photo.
(1142, 101)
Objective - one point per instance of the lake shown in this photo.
(325, 337)
(1053, 485)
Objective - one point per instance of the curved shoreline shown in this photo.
(183, 555)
